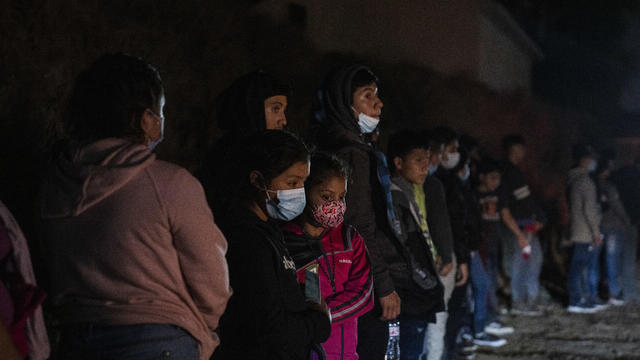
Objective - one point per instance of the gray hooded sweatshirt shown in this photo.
(130, 239)
(584, 208)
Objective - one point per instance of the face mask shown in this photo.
(593, 166)
(152, 143)
(290, 204)
(330, 214)
(452, 160)
(432, 169)
(367, 123)
(464, 177)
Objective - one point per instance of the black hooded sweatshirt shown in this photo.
(267, 317)
(239, 113)
(338, 132)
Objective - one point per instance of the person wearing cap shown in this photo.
(585, 233)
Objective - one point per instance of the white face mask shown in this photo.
(290, 204)
(452, 160)
(366, 123)
(154, 143)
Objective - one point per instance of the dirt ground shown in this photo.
(610, 334)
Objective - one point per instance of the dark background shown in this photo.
(201, 46)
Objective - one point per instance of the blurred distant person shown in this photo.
(524, 219)
(137, 264)
(585, 217)
(616, 228)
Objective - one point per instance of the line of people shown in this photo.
(312, 253)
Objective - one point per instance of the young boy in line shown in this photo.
(416, 273)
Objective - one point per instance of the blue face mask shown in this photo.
(593, 166)
(466, 175)
(290, 204)
(367, 123)
(432, 169)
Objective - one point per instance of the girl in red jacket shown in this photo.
(318, 237)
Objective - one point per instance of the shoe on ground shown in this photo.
(616, 301)
(497, 328)
(466, 345)
(582, 309)
(600, 305)
(484, 339)
(522, 309)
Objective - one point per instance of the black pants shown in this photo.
(459, 317)
(373, 335)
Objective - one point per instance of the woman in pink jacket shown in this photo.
(318, 237)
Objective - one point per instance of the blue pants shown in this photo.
(412, 335)
(629, 280)
(581, 261)
(593, 273)
(127, 342)
(525, 274)
(480, 286)
(613, 241)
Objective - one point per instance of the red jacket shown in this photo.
(346, 283)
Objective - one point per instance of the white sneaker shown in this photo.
(483, 339)
(577, 309)
(498, 329)
(616, 302)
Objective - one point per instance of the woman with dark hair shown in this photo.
(268, 316)
(136, 261)
(254, 102)
(351, 109)
(318, 239)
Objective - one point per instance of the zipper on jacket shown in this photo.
(341, 341)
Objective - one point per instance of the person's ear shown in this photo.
(151, 125)
(397, 162)
(256, 179)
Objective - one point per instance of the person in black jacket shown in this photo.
(413, 263)
(267, 317)
(254, 102)
(351, 108)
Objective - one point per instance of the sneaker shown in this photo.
(498, 329)
(483, 339)
(582, 309)
(600, 305)
(616, 301)
(523, 309)
(467, 345)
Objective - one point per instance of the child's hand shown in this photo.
(446, 269)
(462, 275)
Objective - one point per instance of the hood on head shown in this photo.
(82, 177)
(240, 107)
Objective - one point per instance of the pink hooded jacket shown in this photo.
(346, 282)
(130, 240)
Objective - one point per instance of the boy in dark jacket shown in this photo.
(413, 266)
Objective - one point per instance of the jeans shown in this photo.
(629, 280)
(480, 286)
(491, 267)
(581, 260)
(525, 274)
(613, 242)
(127, 342)
(593, 273)
(412, 333)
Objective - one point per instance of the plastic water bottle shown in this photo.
(393, 346)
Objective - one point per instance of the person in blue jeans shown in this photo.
(585, 217)
(615, 226)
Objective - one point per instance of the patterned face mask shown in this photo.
(329, 214)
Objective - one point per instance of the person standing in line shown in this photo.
(137, 264)
(414, 263)
(318, 239)
(585, 217)
(268, 316)
(351, 108)
(524, 219)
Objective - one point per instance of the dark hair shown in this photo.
(488, 165)
(464, 160)
(428, 140)
(402, 143)
(512, 140)
(362, 77)
(109, 98)
(444, 135)
(270, 152)
(580, 151)
(325, 165)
